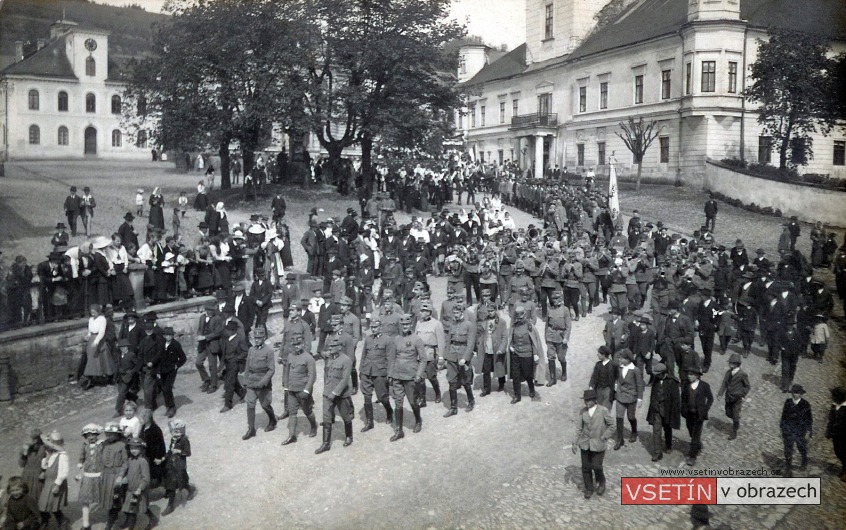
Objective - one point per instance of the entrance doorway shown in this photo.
(90, 141)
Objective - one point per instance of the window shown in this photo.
(688, 81)
(582, 98)
(544, 101)
(515, 107)
(482, 116)
(840, 153)
(34, 102)
(481, 156)
(90, 103)
(765, 149)
(547, 27)
(90, 66)
(63, 101)
(580, 154)
(63, 135)
(501, 112)
(665, 84)
(664, 143)
(603, 95)
(117, 138)
(34, 135)
(638, 89)
(500, 155)
(709, 76)
(115, 104)
(141, 141)
(472, 117)
(600, 153)
(732, 77)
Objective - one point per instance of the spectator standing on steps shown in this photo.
(595, 430)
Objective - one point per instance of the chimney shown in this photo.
(41, 43)
(19, 51)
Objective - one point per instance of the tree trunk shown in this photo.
(223, 151)
(367, 161)
(332, 168)
(639, 172)
(248, 159)
(782, 152)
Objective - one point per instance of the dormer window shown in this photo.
(90, 66)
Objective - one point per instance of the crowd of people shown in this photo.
(367, 291)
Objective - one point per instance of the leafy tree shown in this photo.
(638, 137)
(216, 76)
(381, 70)
(792, 85)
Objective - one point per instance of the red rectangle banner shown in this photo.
(668, 490)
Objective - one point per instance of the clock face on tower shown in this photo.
(90, 44)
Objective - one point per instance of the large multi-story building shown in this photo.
(560, 97)
(63, 101)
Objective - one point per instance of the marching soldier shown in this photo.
(336, 394)
(299, 386)
(374, 372)
(558, 326)
(406, 366)
(525, 352)
(294, 326)
(491, 344)
(258, 377)
(431, 331)
(457, 357)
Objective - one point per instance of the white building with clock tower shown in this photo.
(64, 101)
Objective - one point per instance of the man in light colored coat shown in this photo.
(595, 429)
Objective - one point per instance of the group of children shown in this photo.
(115, 472)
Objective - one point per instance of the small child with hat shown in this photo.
(137, 482)
(114, 468)
(176, 465)
(54, 496)
(90, 471)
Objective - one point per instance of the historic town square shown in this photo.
(465, 264)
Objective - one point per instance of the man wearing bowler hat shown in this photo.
(126, 231)
(594, 431)
(172, 359)
(796, 423)
(209, 330)
(696, 401)
(60, 238)
(73, 206)
(664, 410)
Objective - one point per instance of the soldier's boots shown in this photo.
(354, 377)
(398, 433)
(552, 381)
(292, 438)
(271, 424)
(284, 414)
(421, 392)
(388, 411)
(368, 416)
(171, 505)
(453, 403)
(437, 388)
(471, 401)
(348, 433)
(418, 421)
(327, 439)
(563, 371)
(313, 423)
(251, 424)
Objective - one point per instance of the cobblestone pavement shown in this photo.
(501, 466)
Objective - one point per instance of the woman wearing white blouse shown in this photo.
(99, 360)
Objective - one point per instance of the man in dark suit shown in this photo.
(595, 429)
(310, 244)
(150, 351)
(128, 234)
(711, 208)
(696, 401)
(208, 346)
(171, 360)
(664, 412)
(131, 329)
(245, 309)
(796, 422)
(261, 293)
(73, 206)
(735, 387)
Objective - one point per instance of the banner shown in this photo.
(613, 194)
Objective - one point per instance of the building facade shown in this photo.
(63, 101)
(559, 98)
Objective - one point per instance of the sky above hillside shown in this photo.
(496, 21)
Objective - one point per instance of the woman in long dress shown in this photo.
(205, 267)
(157, 209)
(220, 253)
(100, 362)
(201, 201)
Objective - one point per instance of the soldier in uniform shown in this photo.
(431, 332)
(558, 325)
(336, 393)
(298, 382)
(294, 326)
(258, 377)
(374, 372)
(351, 325)
(457, 357)
(525, 352)
(406, 366)
(491, 345)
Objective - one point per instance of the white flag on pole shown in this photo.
(613, 194)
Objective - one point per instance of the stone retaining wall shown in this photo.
(808, 203)
(46, 356)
